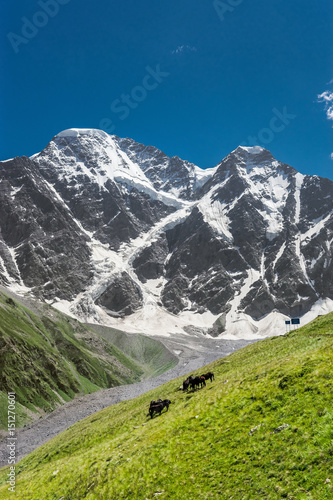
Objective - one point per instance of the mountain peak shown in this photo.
(253, 161)
(77, 132)
(253, 154)
(253, 150)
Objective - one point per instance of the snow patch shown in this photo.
(16, 285)
(214, 214)
(317, 226)
(253, 150)
(15, 190)
(301, 259)
(321, 307)
(277, 258)
(299, 178)
(77, 132)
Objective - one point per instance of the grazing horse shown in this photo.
(209, 375)
(186, 384)
(152, 403)
(195, 382)
(158, 407)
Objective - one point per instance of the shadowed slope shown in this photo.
(47, 358)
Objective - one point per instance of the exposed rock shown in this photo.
(39, 240)
(252, 431)
(149, 265)
(220, 324)
(122, 296)
(281, 428)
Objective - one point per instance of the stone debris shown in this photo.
(252, 431)
(280, 428)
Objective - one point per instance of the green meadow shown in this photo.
(262, 430)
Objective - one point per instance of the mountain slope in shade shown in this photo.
(48, 358)
(116, 232)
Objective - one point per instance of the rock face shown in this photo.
(122, 296)
(41, 244)
(171, 175)
(104, 222)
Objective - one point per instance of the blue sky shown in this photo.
(193, 78)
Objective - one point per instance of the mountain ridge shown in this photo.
(213, 250)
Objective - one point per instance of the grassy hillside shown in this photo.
(47, 358)
(146, 351)
(262, 430)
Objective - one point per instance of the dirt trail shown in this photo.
(193, 353)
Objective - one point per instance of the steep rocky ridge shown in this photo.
(43, 248)
(167, 174)
(116, 232)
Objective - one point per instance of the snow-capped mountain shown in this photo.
(115, 232)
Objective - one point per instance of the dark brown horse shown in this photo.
(194, 382)
(209, 375)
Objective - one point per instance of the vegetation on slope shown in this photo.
(148, 352)
(48, 358)
(262, 430)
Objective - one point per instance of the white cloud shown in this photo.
(327, 98)
(329, 113)
(182, 48)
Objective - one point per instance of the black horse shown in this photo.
(186, 384)
(195, 382)
(158, 407)
(152, 403)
